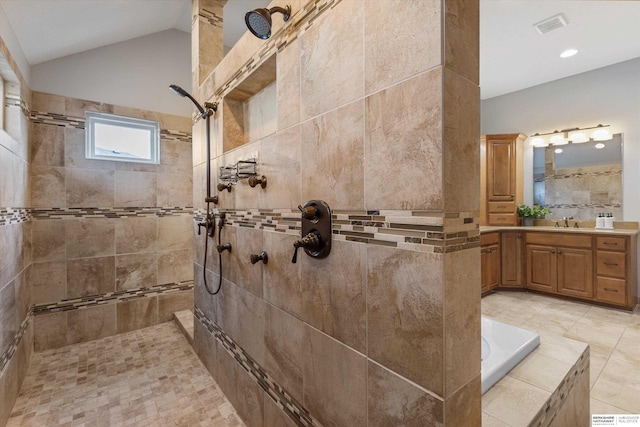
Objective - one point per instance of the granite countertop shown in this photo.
(550, 229)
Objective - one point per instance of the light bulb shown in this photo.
(569, 52)
(578, 137)
(599, 145)
(558, 150)
(558, 139)
(601, 134)
(539, 141)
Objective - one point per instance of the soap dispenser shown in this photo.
(600, 220)
(608, 221)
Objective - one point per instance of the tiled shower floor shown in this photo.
(149, 377)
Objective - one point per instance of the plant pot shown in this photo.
(527, 222)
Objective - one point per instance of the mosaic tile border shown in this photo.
(412, 230)
(583, 205)
(211, 17)
(299, 23)
(548, 412)
(6, 356)
(9, 216)
(12, 101)
(583, 174)
(126, 212)
(110, 298)
(175, 135)
(287, 403)
(56, 119)
(62, 120)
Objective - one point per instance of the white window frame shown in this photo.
(93, 118)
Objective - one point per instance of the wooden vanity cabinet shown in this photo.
(560, 263)
(612, 269)
(511, 259)
(489, 261)
(595, 267)
(502, 178)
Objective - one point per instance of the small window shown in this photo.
(124, 139)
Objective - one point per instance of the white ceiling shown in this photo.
(513, 55)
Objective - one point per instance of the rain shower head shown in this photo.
(259, 20)
(211, 107)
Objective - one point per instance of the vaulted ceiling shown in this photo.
(513, 55)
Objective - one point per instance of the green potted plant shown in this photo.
(528, 214)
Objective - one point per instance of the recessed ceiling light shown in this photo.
(558, 150)
(599, 145)
(569, 52)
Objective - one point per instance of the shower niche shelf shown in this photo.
(250, 108)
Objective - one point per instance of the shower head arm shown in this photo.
(285, 11)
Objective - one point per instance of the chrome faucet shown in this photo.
(566, 220)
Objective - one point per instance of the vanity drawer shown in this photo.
(559, 239)
(611, 243)
(611, 290)
(611, 264)
(502, 207)
(503, 219)
(489, 239)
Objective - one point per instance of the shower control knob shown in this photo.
(262, 257)
(225, 247)
(311, 242)
(308, 212)
(254, 180)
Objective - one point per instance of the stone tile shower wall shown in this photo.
(112, 241)
(378, 115)
(16, 328)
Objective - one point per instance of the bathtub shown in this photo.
(503, 347)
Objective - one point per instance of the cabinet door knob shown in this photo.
(552, 251)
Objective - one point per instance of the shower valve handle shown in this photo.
(200, 225)
(308, 212)
(254, 258)
(311, 242)
(208, 226)
(225, 247)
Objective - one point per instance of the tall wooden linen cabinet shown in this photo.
(502, 178)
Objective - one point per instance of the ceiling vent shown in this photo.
(550, 24)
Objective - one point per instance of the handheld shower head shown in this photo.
(259, 20)
(211, 107)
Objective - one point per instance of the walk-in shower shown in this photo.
(209, 223)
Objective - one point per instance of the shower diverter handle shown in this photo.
(312, 242)
(316, 229)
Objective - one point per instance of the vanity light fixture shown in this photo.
(572, 136)
(558, 150)
(599, 145)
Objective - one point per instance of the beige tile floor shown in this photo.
(613, 337)
(152, 377)
(149, 377)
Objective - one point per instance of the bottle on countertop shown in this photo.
(608, 221)
(600, 220)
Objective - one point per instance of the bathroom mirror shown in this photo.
(579, 180)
